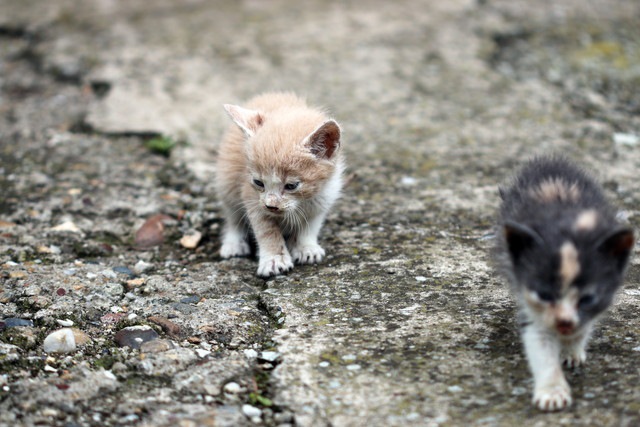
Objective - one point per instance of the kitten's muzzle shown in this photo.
(565, 327)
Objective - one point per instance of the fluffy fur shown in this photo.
(564, 253)
(279, 171)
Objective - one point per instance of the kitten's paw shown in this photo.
(553, 397)
(235, 248)
(575, 359)
(274, 265)
(307, 254)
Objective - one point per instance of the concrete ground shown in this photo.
(405, 323)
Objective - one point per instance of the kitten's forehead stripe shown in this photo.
(569, 265)
(586, 220)
(555, 189)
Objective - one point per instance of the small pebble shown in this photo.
(111, 318)
(408, 181)
(202, 353)
(61, 292)
(628, 139)
(60, 341)
(232, 388)
(66, 322)
(269, 356)
(353, 367)
(324, 364)
(167, 325)
(152, 232)
(251, 354)
(135, 336)
(156, 346)
(251, 411)
(124, 270)
(142, 267)
(455, 389)
(13, 322)
(67, 226)
(193, 299)
(191, 239)
(421, 279)
(70, 271)
(109, 274)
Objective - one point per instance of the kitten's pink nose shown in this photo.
(565, 327)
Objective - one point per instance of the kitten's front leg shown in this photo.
(306, 249)
(273, 253)
(234, 241)
(551, 390)
(575, 349)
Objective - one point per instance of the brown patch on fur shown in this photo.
(569, 264)
(555, 190)
(586, 220)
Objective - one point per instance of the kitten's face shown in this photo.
(570, 286)
(289, 157)
(277, 194)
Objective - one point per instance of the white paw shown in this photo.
(575, 359)
(553, 397)
(233, 248)
(307, 254)
(274, 265)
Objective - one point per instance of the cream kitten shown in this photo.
(565, 255)
(279, 171)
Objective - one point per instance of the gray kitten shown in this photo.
(565, 254)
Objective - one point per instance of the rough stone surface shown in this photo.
(405, 322)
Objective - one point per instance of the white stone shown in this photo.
(251, 411)
(421, 279)
(408, 181)
(269, 356)
(354, 367)
(202, 353)
(67, 226)
(66, 322)
(60, 341)
(250, 354)
(628, 139)
(142, 267)
(232, 388)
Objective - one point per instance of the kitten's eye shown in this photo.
(258, 183)
(545, 296)
(587, 301)
(292, 186)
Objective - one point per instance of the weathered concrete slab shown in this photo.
(405, 323)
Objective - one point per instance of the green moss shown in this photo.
(607, 52)
(161, 145)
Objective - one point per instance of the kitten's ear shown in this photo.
(249, 121)
(618, 245)
(520, 238)
(325, 140)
